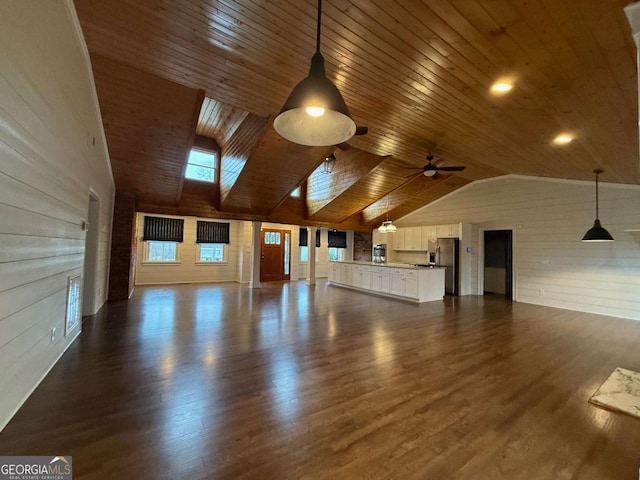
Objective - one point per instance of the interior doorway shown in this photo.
(498, 262)
(91, 256)
(275, 255)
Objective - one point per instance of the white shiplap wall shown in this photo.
(188, 270)
(549, 217)
(238, 265)
(52, 153)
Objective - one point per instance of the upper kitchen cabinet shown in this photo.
(429, 237)
(408, 238)
(448, 231)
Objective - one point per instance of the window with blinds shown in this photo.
(163, 229)
(337, 239)
(212, 232)
(303, 239)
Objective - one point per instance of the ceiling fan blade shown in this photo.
(344, 146)
(449, 169)
(361, 130)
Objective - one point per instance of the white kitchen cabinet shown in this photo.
(345, 274)
(397, 280)
(380, 279)
(404, 283)
(396, 285)
(361, 276)
(332, 272)
(429, 237)
(448, 231)
(408, 239)
(413, 238)
(397, 239)
(411, 284)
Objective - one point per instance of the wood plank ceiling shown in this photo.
(418, 74)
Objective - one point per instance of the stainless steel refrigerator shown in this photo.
(449, 257)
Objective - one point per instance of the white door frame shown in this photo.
(514, 291)
(90, 265)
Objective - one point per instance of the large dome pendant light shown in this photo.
(597, 233)
(315, 114)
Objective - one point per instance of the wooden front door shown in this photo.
(275, 255)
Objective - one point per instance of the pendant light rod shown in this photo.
(597, 172)
(319, 25)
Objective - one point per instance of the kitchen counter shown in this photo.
(396, 265)
(398, 280)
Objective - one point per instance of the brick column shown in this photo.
(123, 246)
(362, 245)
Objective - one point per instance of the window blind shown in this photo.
(337, 239)
(304, 238)
(212, 232)
(163, 229)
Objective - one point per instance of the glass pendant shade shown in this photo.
(387, 227)
(315, 114)
(597, 233)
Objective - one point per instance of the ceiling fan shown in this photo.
(431, 169)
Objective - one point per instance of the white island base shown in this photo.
(403, 281)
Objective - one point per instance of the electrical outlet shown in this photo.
(542, 292)
(53, 334)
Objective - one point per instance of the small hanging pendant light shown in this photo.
(387, 226)
(315, 113)
(597, 233)
(328, 164)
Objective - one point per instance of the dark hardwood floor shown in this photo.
(291, 381)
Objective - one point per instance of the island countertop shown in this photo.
(395, 265)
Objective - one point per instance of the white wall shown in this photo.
(238, 265)
(188, 270)
(549, 217)
(49, 120)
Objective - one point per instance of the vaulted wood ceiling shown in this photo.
(418, 74)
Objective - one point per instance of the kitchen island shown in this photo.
(398, 280)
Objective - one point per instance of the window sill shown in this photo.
(212, 263)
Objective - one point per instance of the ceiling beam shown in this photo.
(274, 168)
(323, 189)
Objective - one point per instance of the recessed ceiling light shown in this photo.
(563, 139)
(501, 87)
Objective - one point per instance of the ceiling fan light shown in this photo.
(597, 233)
(331, 127)
(429, 173)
